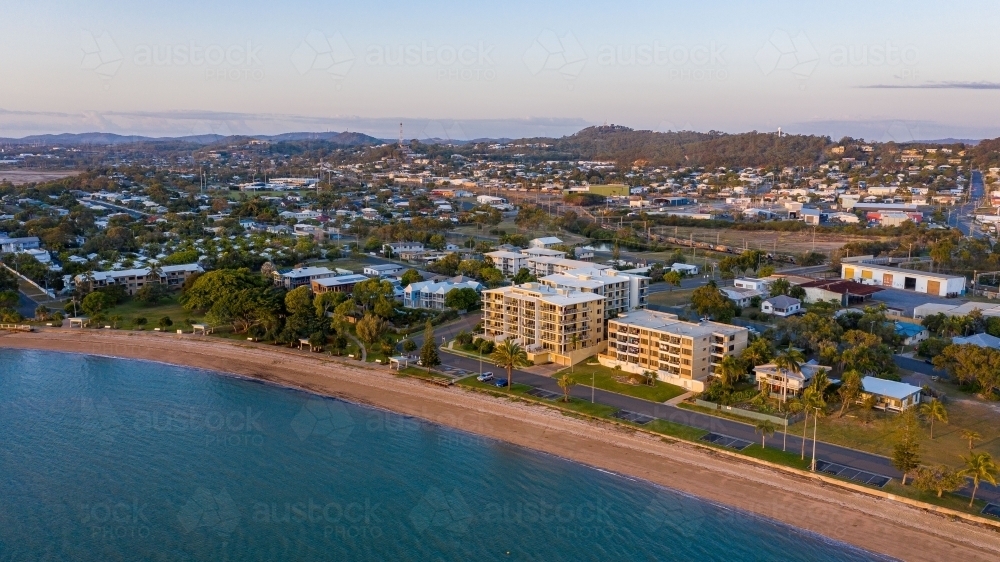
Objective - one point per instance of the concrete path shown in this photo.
(678, 399)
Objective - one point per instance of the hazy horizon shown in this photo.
(898, 71)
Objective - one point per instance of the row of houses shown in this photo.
(131, 280)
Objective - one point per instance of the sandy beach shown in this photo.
(884, 526)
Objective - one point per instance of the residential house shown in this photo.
(982, 340)
(911, 333)
(760, 285)
(890, 395)
(431, 294)
(898, 278)
(383, 270)
(336, 284)
(685, 268)
(741, 297)
(781, 305)
(302, 276)
(545, 242)
(785, 382)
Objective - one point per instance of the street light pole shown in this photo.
(593, 377)
(815, 423)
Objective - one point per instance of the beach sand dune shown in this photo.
(877, 524)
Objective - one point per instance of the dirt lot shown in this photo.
(21, 177)
(785, 242)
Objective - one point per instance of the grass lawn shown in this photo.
(951, 501)
(677, 297)
(673, 429)
(784, 458)
(422, 373)
(878, 436)
(605, 378)
(132, 309)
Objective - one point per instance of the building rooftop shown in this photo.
(892, 389)
(666, 322)
(306, 272)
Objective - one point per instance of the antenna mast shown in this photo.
(400, 135)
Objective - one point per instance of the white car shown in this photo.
(488, 376)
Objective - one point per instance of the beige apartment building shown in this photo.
(554, 325)
(681, 353)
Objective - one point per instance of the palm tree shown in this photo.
(794, 407)
(565, 383)
(788, 361)
(934, 410)
(508, 355)
(766, 428)
(971, 436)
(811, 400)
(979, 467)
(730, 371)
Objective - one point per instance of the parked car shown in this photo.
(500, 383)
(487, 376)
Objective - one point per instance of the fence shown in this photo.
(16, 327)
(746, 413)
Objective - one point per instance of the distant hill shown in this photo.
(75, 139)
(688, 148)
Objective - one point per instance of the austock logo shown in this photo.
(441, 511)
(324, 418)
(216, 512)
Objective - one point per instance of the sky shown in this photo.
(880, 70)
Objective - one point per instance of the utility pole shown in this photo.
(815, 423)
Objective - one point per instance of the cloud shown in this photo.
(937, 86)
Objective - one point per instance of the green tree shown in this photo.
(939, 480)
(509, 355)
(766, 428)
(165, 322)
(411, 276)
(906, 452)
(788, 361)
(524, 276)
(96, 302)
(429, 351)
(151, 293)
(369, 291)
(370, 328)
(708, 301)
(672, 278)
(979, 467)
(464, 298)
(730, 371)
(971, 436)
(409, 346)
(850, 390)
(565, 383)
(934, 410)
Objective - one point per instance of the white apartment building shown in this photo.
(622, 291)
(554, 325)
(509, 263)
(546, 265)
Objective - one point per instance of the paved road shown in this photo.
(962, 217)
(824, 451)
(917, 366)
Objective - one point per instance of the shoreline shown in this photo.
(877, 525)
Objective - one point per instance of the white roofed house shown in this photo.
(890, 395)
(545, 242)
(382, 270)
(740, 296)
(685, 268)
(16, 245)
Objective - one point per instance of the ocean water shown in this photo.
(111, 459)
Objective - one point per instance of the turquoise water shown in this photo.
(109, 459)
